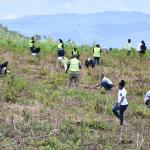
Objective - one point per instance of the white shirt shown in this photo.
(122, 93)
(147, 96)
(107, 80)
(128, 46)
(139, 47)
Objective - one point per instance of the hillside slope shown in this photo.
(38, 111)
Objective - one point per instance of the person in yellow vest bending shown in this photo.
(97, 54)
(74, 66)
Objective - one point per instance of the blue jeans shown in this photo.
(96, 60)
(106, 85)
(121, 109)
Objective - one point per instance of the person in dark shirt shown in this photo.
(89, 63)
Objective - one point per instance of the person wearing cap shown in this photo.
(74, 66)
(97, 54)
(3, 68)
(122, 104)
(147, 98)
(105, 83)
(89, 63)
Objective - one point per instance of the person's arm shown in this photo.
(68, 66)
(80, 65)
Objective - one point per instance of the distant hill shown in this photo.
(111, 29)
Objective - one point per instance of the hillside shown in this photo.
(111, 29)
(38, 111)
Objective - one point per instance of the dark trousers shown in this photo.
(121, 109)
(148, 102)
(96, 60)
(35, 50)
(106, 85)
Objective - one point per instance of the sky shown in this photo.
(11, 9)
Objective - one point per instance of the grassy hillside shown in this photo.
(38, 111)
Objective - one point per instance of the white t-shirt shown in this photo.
(107, 80)
(139, 47)
(128, 46)
(122, 93)
(147, 97)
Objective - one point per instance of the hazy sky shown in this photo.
(18, 8)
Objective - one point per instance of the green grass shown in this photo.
(40, 112)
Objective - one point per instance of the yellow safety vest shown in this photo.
(97, 52)
(75, 53)
(60, 45)
(31, 44)
(74, 65)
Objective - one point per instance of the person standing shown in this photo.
(142, 48)
(97, 54)
(122, 103)
(74, 66)
(129, 47)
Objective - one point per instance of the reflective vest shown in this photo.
(31, 44)
(75, 53)
(97, 52)
(60, 45)
(74, 65)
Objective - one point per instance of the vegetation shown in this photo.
(38, 111)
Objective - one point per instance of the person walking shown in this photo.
(122, 104)
(129, 47)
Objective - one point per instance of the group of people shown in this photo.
(141, 47)
(74, 65)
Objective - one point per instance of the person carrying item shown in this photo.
(105, 83)
(75, 52)
(129, 47)
(3, 68)
(96, 54)
(32, 47)
(122, 104)
(74, 66)
(147, 98)
(89, 63)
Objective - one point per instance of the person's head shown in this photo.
(6, 63)
(142, 42)
(121, 84)
(60, 40)
(102, 76)
(89, 59)
(97, 45)
(129, 40)
(75, 49)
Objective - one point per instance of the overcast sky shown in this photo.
(17, 8)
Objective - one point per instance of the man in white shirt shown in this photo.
(106, 83)
(122, 103)
(129, 47)
(147, 98)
